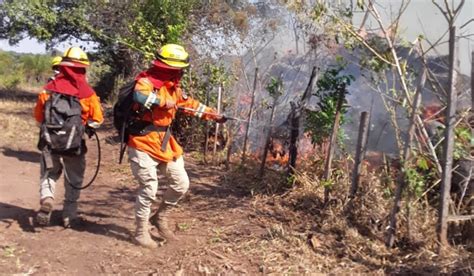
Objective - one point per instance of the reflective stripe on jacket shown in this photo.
(147, 95)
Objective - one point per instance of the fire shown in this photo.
(376, 160)
(433, 112)
(433, 118)
(278, 155)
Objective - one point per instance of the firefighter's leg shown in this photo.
(74, 168)
(179, 184)
(179, 180)
(144, 169)
(47, 188)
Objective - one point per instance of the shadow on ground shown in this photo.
(25, 219)
(22, 155)
(17, 94)
(10, 213)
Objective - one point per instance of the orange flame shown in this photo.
(433, 112)
(278, 155)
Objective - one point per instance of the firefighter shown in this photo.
(55, 66)
(157, 91)
(70, 81)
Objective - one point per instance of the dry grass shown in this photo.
(16, 122)
(304, 236)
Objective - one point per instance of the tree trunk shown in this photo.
(249, 118)
(332, 141)
(308, 91)
(294, 122)
(359, 156)
(470, 190)
(472, 86)
(405, 164)
(448, 145)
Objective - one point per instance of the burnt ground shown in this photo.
(223, 227)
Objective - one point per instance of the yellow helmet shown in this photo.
(75, 57)
(56, 61)
(173, 55)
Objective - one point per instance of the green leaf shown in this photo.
(422, 163)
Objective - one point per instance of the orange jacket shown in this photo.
(91, 109)
(160, 116)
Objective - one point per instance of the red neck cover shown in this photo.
(160, 73)
(70, 81)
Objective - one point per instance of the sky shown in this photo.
(31, 45)
(421, 18)
(27, 45)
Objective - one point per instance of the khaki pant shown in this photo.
(74, 167)
(144, 168)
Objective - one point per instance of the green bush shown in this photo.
(319, 123)
(11, 82)
(24, 69)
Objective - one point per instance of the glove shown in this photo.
(169, 104)
(221, 119)
(89, 131)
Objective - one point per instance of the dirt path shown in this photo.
(102, 244)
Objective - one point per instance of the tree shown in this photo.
(124, 35)
(323, 124)
(450, 14)
(319, 123)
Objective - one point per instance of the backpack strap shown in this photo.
(166, 139)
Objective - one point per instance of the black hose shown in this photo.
(97, 167)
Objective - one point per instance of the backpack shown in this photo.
(62, 129)
(128, 113)
(122, 110)
(127, 119)
(128, 116)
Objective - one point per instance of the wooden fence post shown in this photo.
(360, 151)
(448, 145)
(249, 118)
(229, 147)
(206, 138)
(332, 141)
(216, 134)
